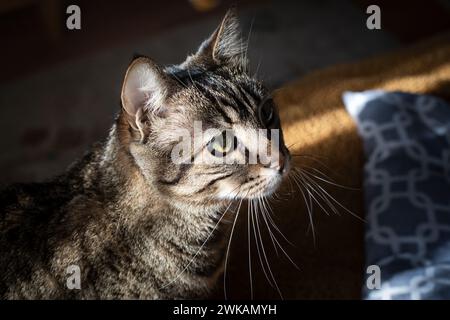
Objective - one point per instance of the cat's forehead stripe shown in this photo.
(223, 89)
(218, 106)
(233, 94)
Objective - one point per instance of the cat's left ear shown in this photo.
(225, 45)
(144, 90)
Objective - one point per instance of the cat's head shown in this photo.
(162, 108)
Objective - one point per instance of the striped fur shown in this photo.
(133, 220)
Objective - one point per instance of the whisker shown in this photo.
(255, 75)
(228, 248)
(321, 195)
(193, 82)
(272, 222)
(258, 248)
(277, 242)
(179, 80)
(247, 44)
(291, 186)
(293, 144)
(311, 221)
(308, 187)
(315, 158)
(267, 261)
(263, 210)
(326, 180)
(338, 203)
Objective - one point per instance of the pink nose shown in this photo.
(281, 164)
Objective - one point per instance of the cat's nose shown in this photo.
(281, 165)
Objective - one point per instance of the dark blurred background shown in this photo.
(59, 89)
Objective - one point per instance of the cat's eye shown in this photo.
(222, 144)
(266, 112)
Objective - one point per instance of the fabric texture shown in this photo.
(407, 191)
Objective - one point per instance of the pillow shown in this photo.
(406, 141)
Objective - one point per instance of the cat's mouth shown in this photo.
(263, 185)
(267, 181)
(261, 181)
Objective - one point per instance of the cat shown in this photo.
(134, 223)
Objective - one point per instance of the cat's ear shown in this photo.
(225, 45)
(144, 90)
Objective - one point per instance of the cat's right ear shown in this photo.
(144, 90)
(225, 45)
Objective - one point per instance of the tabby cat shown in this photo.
(135, 223)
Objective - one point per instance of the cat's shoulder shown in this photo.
(32, 202)
(23, 195)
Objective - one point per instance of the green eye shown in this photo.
(222, 144)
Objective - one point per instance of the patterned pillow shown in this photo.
(407, 191)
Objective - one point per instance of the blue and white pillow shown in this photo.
(407, 191)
